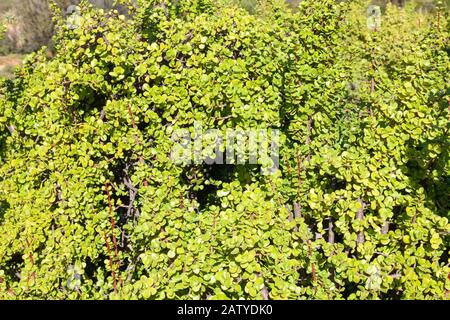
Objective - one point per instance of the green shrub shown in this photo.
(92, 207)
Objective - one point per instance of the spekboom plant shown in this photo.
(93, 207)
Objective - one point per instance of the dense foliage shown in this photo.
(92, 207)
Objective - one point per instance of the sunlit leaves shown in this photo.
(358, 209)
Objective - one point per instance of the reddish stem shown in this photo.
(113, 222)
(288, 167)
(313, 266)
(30, 257)
(108, 248)
(181, 200)
(298, 173)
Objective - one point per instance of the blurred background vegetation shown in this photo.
(29, 25)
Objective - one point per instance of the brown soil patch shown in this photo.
(10, 61)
